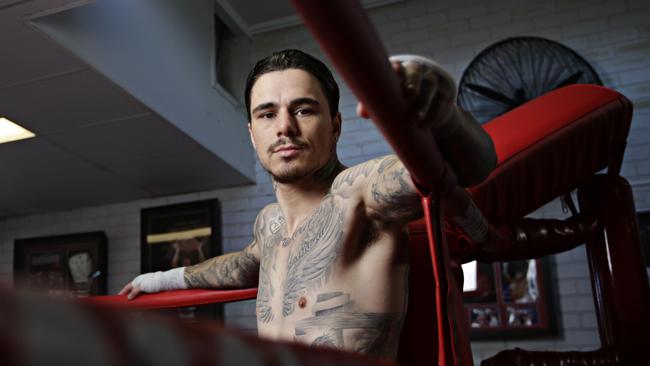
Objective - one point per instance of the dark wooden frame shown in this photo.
(183, 217)
(545, 307)
(64, 246)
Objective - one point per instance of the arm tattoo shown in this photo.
(346, 179)
(338, 323)
(310, 264)
(393, 194)
(233, 270)
(269, 227)
(264, 295)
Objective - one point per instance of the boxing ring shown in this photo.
(545, 149)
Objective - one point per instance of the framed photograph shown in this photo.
(511, 300)
(182, 235)
(65, 266)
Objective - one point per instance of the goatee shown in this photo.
(327, 172)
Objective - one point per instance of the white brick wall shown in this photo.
(614, 36)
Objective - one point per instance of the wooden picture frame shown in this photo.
(512, 300)
(73, 265)
(182, 235)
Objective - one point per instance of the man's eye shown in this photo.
(304, 112)
(266, 115)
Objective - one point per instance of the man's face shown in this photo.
(291, 127)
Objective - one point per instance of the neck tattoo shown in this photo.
(328, 172)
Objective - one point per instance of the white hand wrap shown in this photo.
(161, 281)
(404, 59)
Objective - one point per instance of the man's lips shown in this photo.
(287, 147)
(287, 150)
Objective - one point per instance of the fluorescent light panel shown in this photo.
(10, 131)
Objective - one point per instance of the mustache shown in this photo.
(288, 141)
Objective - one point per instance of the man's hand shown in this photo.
(431, 95)
(155, 282)
(130, 290)
(429, 90)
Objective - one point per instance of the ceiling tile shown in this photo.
(37, 157)
(124, 140)
(27, 194)
(67, 101)
(26, 8)
(253, 11)
(27, 55)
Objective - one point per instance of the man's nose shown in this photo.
(287, 125)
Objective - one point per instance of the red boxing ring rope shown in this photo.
(175, 299)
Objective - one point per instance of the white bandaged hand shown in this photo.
(161, 281)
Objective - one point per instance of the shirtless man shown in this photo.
(331, 256)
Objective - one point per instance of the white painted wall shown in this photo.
(614, 36)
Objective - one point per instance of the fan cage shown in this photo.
(515, 70)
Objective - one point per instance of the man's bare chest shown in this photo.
(293, 267)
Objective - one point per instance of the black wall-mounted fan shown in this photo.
(513, 71)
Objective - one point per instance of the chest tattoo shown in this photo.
(266, 289)
(337, 322)
(276, 225)
(310, 263)
(317, 244)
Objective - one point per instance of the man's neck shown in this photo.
(298, 200)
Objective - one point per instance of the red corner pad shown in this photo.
(540, 117)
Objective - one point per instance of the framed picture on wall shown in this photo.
(182, 235)
(511, 299)
(63, 266)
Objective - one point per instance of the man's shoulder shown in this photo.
(270, 210)
(356, 177)
(268, 219)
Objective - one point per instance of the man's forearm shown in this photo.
(460, 138)
(467, 147)
(232, 270)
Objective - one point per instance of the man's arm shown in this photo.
(390, 194)
(431, 94)
(232, 270)
(386, 190)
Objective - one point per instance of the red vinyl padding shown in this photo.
(550, 146)
(540, 117)
(176, 299)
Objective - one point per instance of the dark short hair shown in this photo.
(295, 59)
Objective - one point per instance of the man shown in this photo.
(331, 256)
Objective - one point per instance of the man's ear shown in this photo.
(250, 132)
(336, 123)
